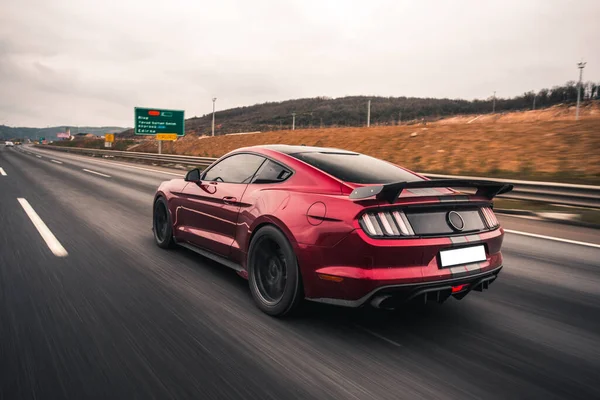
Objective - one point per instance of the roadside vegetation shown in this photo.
(547, 145)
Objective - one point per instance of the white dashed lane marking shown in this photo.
(97, 173)
(53, 244)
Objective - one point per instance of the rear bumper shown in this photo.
(355, 269)
(389, 297)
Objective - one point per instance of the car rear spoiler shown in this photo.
(391, 191)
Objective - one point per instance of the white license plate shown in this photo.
(466, 255)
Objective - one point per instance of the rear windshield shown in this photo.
(356, 168)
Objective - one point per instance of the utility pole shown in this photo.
(293, 121)
(369, 114)
(581, 66)
(494, 103)
(213, 121)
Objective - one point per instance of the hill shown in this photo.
(7, 132)
(543, 144)
(350, 111)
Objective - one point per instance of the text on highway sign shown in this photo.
(154, 121)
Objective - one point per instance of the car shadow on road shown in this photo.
(411, 320)
(410, 325)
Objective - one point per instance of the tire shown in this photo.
(161, 224)
(273, 274)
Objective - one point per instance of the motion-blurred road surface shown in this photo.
(119, 318)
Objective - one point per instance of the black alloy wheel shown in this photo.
(270, 271)
(161, 224)
(275, 281)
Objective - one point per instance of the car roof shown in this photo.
(291, 149)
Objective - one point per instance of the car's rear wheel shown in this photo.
(161, 224)
(275, 281)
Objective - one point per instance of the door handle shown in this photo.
(229, 199)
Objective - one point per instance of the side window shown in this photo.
(271, 172)
(238, 168)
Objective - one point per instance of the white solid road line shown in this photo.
(597, 246)
(97, 173)
(377, 335)
(2, 172)
(53, 244)
(58, 162)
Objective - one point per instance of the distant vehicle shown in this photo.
(333, 226)
(9, 144)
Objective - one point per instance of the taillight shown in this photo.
(490, 218)
(386, 223)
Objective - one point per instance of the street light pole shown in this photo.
(293, 121)
(581, 66)
(369, 114)
(213, 120)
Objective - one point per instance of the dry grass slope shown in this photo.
(546, 144)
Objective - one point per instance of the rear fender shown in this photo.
(269, 220)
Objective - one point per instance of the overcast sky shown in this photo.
(82, 62)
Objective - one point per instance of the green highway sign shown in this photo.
(154, 121)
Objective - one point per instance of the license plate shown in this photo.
(466, 255)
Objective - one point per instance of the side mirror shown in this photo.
(193, 176)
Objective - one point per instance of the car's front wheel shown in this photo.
(161, 224)
(275, 281)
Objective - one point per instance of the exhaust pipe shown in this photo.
(378, 301)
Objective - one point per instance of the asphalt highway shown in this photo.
(91, 308)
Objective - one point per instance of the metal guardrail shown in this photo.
(547, 192)
(162, 158)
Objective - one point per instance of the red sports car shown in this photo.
(333, 226)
